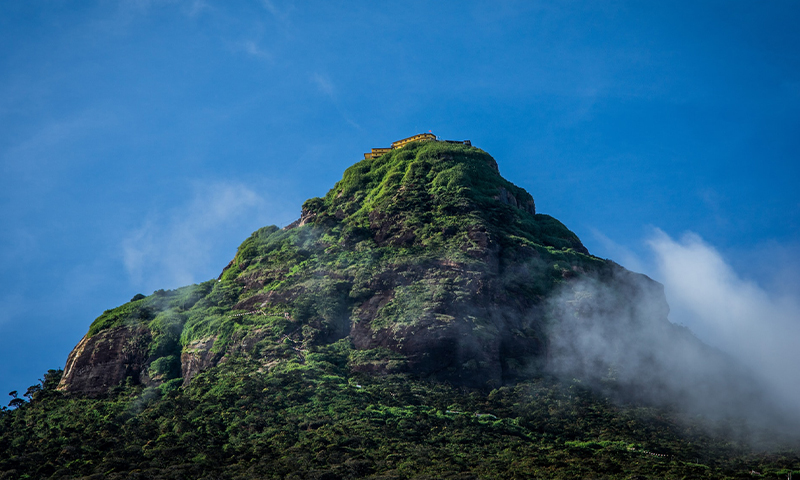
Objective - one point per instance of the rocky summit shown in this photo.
(425, 259)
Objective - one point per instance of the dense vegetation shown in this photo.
(312, 418)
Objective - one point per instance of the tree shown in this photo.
(15, 402)
(31, 392)
(51, 379)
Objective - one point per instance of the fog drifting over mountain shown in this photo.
(753, 329)
(758, 326)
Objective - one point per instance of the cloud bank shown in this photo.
(612, 331)
(737, 358)
(758, 327)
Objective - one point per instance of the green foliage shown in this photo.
(166, 367)
(381, 358)
(166, 328)
(132, 313)
(170, 386)
(141, 310)
(309, 418)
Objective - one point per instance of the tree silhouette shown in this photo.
(15, 402)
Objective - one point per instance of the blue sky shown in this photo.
(142, 141)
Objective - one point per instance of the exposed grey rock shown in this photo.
(104, 360)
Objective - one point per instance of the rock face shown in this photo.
(509, 199)
(426, 259)
(197, 357)
(463, 337)
(103, 361)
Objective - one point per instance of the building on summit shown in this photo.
(422, 137)
(416, 138)
(377, 152)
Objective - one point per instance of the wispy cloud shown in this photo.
(281, 14)
(252, 47)
(197, 7)
(37, 156)
(173, 249)
(326, 86)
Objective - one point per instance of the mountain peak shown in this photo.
(427, 193)
(425, 253)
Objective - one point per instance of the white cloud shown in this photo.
(172, 250)
(197, 7)
(43, 149)
(760, 327)
(251, 47)
(755, 323)
(324, 84)
(282, 15)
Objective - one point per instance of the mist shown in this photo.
(758, 326)
(172, 249)
(724, 347)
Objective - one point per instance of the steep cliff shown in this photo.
(104, 360)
